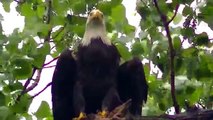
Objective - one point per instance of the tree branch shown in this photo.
(47, 39)
(36, 81)
(121, 113)
(39, 71)
(26, 85)
(171, 55)
(42, 90)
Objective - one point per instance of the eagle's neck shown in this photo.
(92, 33)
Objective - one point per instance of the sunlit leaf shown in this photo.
(187, 11)
(22, 105)
(177, 18)
(123, 50)
(4, 112)
(43, 111)
(22, 68)
(137, 48)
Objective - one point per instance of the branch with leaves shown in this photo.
(38, 71)
(171, 52)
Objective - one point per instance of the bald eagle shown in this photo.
(93, 79)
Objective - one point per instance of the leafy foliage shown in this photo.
(53, 25)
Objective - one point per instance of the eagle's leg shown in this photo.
(79, 101)
(110, 101)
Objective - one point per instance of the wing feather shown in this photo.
(62, 86)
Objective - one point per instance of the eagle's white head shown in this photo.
(95, 28)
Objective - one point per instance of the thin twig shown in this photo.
(50, 61)
(26, 84)
(36, 81)
(171, 55)
(176, 10)
(18, 1)
(49, 66)
(42, 90)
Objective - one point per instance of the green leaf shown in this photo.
(191, 66)
(27, 11)
(115, 2)
(189, 52)
(118, 11)
(2, 99)
(6, 5)
(105, 7)
(58, 20)
(79, 30)
(188, 2)
(178, 64)
(38, 60)
(128, 29)
(22, 68)
(162, 106)
(187, 32)
(190, 89)
(12, 47)
(196, 95)
(58, 9)
(201, 39)
(40, 10)
(29, 46)
(137, 48)
(177, 19)
(187, 11)
(206, 14)
(4, 112)
(43, 111)
(176, 43)
(45, 49)
(22, 105)
(123, 50)
(202, 72)
(38, 28)
(79, 7)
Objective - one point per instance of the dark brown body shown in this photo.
(97, 71)
(95, 81)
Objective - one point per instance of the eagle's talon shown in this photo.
(103, 114)
(82, 116)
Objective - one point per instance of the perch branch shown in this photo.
(171, 55)
(121, 113)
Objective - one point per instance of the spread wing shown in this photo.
(132, 84)
(62, 86)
